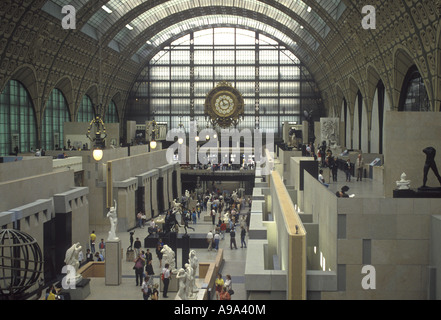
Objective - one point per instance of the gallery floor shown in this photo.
(234, 265)
(234, 260)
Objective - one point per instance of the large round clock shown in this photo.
(224, 105)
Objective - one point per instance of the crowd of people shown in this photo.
(224, 209)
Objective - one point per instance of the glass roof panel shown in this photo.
(335, 8)
(103, 21)
(77, 4)
(158, 13)
(219, 20)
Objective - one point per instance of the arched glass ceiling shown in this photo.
(334, 7)
(113, 10)
(161, 12)
(215, 20)
(104, 19)
(205, 37)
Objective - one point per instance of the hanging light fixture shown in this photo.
(98, 140)
(97, 123)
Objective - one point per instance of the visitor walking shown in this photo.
(242, 238)
(139, 269)
(166, 279)
(359, 163)
(233, 239)
(216, 239)
(92, 241)
(210, 240)
(146, 288)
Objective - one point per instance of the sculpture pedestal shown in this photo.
(130, 256)
(185, 249)
(113, 263)
(172, 287)
(418, 193)
(81, 291)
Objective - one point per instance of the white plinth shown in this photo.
(113, 263)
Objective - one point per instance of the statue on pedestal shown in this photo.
(168, 256)
(430, 164)
(113, 223)
(72, 261)
(194, 263)
(403, 184)
(177, 206)
(182, 277)
(190, 282)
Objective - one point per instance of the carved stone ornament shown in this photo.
(224, 105)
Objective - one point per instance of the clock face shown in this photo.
(224, 105)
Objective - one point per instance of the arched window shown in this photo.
(276, 86)
(413, 93)
(381, 97)
(86, 113)
(112, 113)
(55, 114)
(17, 119)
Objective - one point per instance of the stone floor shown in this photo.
(234, 260)
(367, 188)
(234, 265)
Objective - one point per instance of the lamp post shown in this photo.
(98, 139)
(153, 143)
(181, 128)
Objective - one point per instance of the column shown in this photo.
(126, 206)
(148, 198)
(113, 263)
(154, 195)
(147, 181)
(170, 187)
(178, 179)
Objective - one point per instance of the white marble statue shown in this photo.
(187, 194)
(113, 223)
(330, 131)
(177, 206)
(189, 283)
(403, 184)
(72, 259)
(168, 256)
(234, 195)
(207, 213)
(194, 263)
(182, 278)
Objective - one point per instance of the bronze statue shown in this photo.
(430, 164)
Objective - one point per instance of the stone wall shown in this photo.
(406, 135)
(392, 235)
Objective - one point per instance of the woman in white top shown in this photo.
(229, 284)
